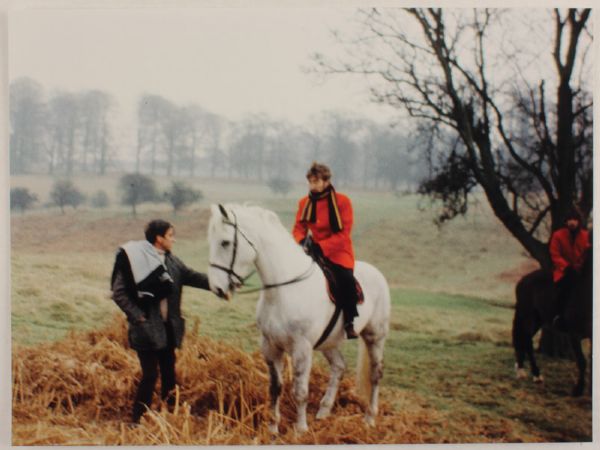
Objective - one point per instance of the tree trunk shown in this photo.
(153, 151)
(193, 156)
(104, 149)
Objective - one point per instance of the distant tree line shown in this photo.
(71, 133)
(134, 189)
(189, 140)
(65, 134)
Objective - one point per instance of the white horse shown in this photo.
(294, 308)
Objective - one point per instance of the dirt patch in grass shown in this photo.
(82, 232)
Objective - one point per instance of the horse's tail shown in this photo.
(363, 373)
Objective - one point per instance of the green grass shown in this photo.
(456, 352)
(452, 291)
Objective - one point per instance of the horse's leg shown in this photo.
(581, 365)
(374, 345)
(302, 361)
(519, 340)
(337, 364)
(274, 359)
(591, 366)
(535, 370)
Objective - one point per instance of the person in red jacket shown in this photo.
(327, 214)
(567, 250)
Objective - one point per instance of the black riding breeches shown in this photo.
(345, 290)
(563, 288)
(151, 360)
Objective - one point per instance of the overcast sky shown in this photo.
(230, 61)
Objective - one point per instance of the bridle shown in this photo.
(229, 270)
(241, 280)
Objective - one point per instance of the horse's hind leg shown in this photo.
(374, 344)
(535, 370)
(581, 365)
(591, 366)
(274, 359)
(519, 340)
(302, 361)
(337, 365)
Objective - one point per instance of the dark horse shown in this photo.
(537, 305)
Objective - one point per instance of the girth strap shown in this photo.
(329, 327)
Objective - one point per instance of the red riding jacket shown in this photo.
(337, 247)
(566, 251)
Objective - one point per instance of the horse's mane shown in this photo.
(265, 216)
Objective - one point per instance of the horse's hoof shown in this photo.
(521, 374)
(539, 379)
(301, 429)
(370, 420)
(273, 428)
(323, 413)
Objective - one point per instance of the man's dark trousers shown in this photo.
(150, 361)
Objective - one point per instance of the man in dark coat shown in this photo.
(146, 284)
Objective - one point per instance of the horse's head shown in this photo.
(231, 252)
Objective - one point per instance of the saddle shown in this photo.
(332, 286)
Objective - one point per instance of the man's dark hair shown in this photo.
(157, 227)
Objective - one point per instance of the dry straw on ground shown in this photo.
(79, 391)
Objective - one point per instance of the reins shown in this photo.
(297, 279)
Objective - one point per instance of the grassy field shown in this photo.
(452, 293)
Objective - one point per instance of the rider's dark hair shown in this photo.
(318, 170)
(573, 213)
(157, 227)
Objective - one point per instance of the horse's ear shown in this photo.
(223, 212)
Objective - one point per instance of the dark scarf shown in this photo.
(309, 213)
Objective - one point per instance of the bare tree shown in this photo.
(64, 124)
(281, 145)
(443, 75)
(152, 110)
(27, 117)
(214, 130)
(94, 107)
(247, 152)
(340, 148)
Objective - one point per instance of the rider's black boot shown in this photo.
(350, 332)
